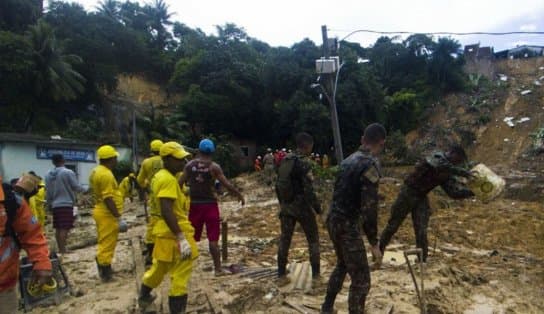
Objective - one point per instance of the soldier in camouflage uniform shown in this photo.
(438, 169)
(355, 198)
(298, 203)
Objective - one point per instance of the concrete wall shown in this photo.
(17, 158)
(245, 162)
(485, 67)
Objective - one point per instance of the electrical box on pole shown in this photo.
(327, 65)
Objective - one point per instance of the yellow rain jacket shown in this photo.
(104, 185)
(166, 256)
(37, 204)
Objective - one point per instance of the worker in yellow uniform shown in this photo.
(149, 167)
(107, 209)
(37, 204)
(175, 247)
(127, 186)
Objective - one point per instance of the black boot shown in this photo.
(107, 273)
(177, 304)
(145, 298)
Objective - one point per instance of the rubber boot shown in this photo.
(107, 273)
(177, 304)
(145, 298)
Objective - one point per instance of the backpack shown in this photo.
(11, 204)
(284, 183)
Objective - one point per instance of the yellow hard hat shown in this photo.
(155, 145)
(106, 152)
(173, 149)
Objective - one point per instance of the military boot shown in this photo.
(177, 304)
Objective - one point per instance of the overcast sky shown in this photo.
(284, 22)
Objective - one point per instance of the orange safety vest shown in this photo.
(30, 235)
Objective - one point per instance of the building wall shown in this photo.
(484, 67)
(245, 151)
(17, 158)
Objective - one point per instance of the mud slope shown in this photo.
(484, 259)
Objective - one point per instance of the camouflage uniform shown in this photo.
(429, 173)
(301, 209)
(355, 198)
(268, 166)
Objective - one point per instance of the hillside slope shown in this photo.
(477, 120)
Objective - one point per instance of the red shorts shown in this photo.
(63, 218)
(205, 214)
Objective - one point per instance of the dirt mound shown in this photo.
(496, 122)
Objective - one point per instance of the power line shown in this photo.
(437, 33)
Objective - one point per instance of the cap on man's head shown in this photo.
(106, 152)
(206, 146)
(173, 149)
(155, 145)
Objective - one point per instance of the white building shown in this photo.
(21, 153)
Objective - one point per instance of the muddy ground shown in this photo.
(484, 258)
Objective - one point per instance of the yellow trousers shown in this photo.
(107, 229)
(149, 238)
(166, 259)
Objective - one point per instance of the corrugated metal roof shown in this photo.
(40, 139)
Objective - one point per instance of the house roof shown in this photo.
(40, 139)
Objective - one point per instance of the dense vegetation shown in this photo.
(58, 65)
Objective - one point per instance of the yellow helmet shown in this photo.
(174, 149)
(155, 145)
(106, 152)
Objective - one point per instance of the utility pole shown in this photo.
(134, 140)
(329, 82)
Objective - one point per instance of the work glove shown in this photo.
(184, 247)
(41, 281)
(123, 227)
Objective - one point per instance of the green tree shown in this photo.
(110, 9)
(445, 67)
(17, 15)
(55, 78)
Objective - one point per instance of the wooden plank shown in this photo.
(139, 266)
(298, 308)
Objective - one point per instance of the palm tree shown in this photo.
(109, 8)
(55, 78)
(159, 17)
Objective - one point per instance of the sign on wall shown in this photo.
(69, 154)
